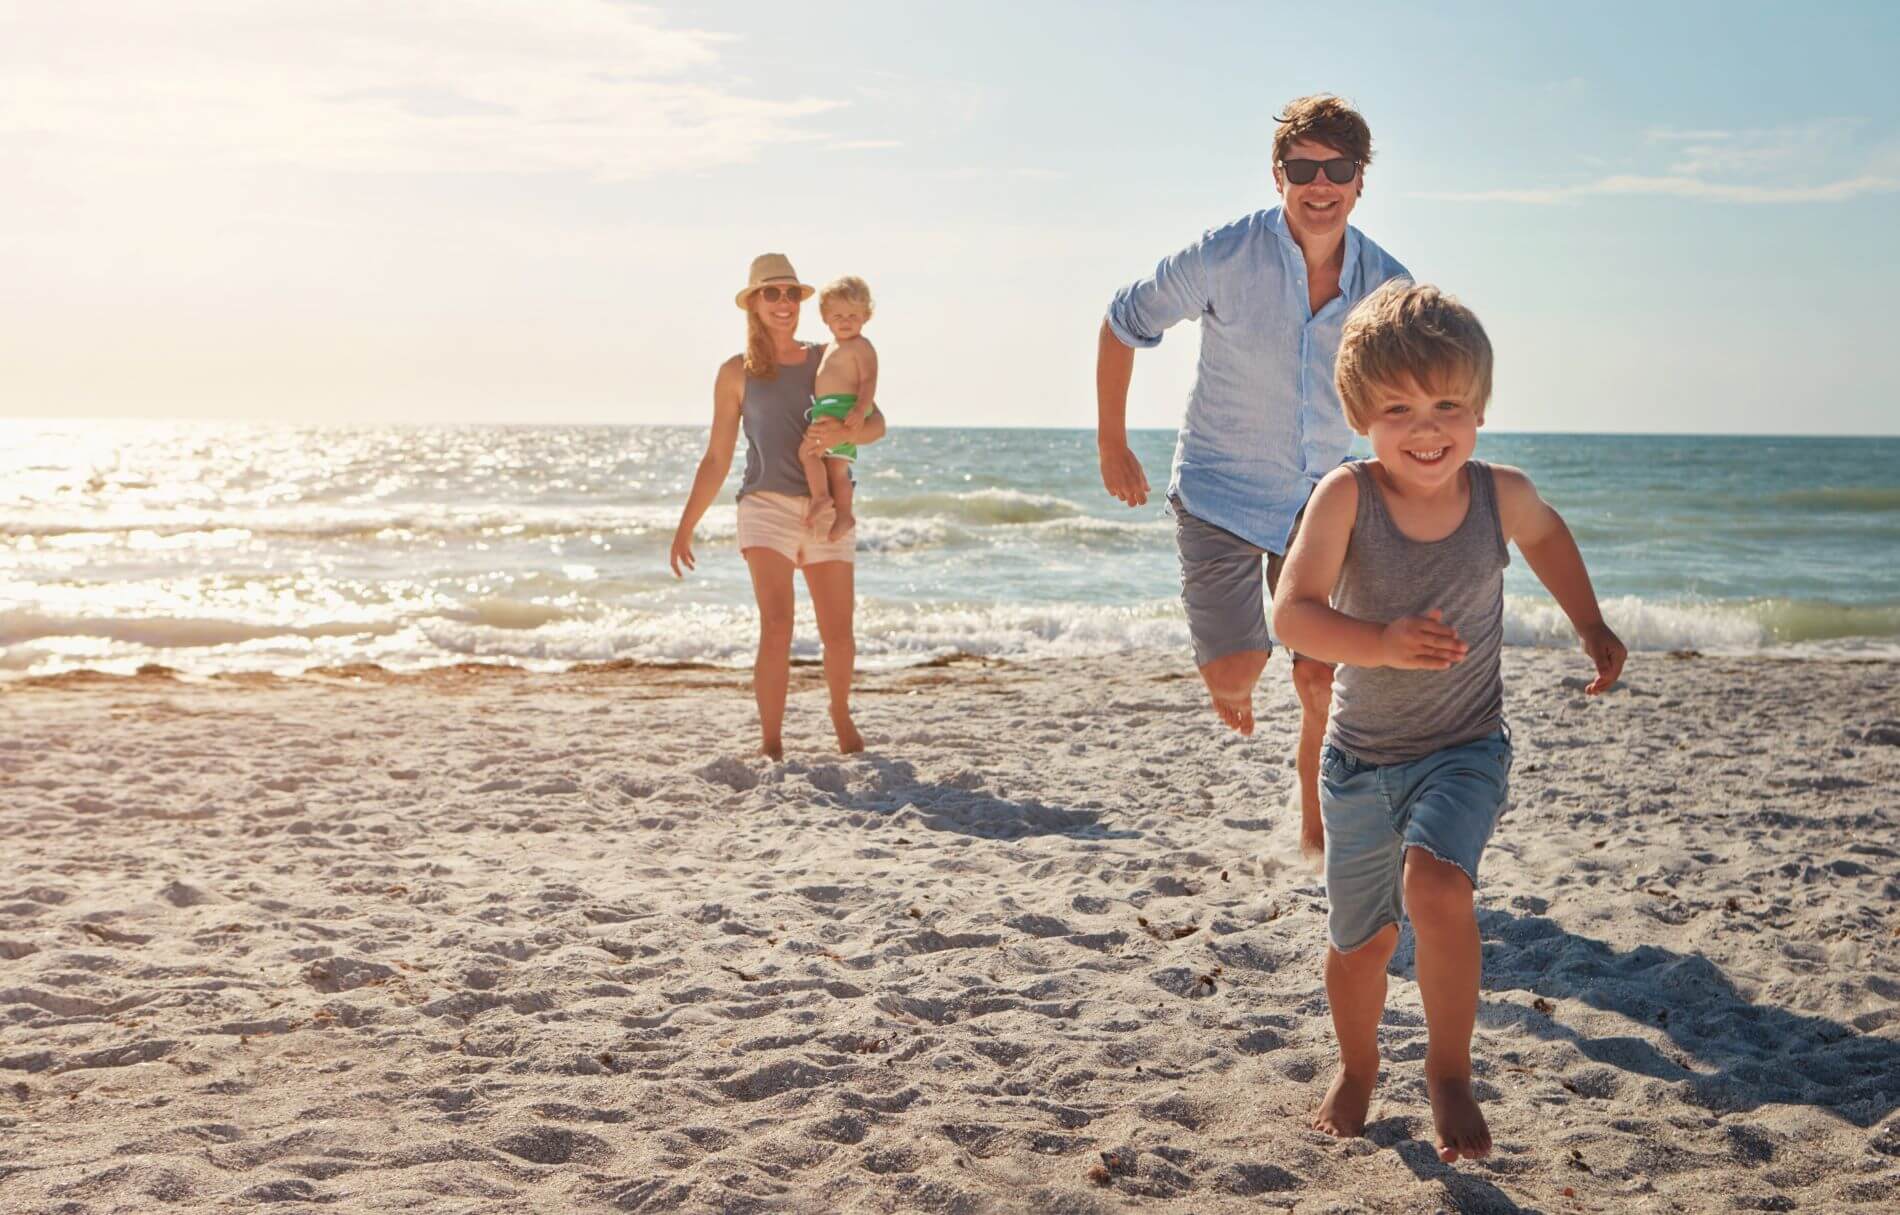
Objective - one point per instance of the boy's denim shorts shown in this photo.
(1447, 803)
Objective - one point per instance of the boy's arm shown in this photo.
(867, 380)
(1307, 622)
(1549, 549)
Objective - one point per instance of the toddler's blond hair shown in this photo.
(851, 288)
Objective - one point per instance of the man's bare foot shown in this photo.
(850, 742)
(818, 516)
(772, 749)
(1237, 714)
(1343, 1113)
(1230, 682)
(1461, 1127)
(842, 525)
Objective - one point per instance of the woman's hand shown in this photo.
(826, 433)
(682, 551)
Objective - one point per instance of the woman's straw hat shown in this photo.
(769, 268)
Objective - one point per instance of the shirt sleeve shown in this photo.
(1176, 291)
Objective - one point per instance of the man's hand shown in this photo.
(681, 553)
(1122, 475)
(1421, 643)
(1608, 652)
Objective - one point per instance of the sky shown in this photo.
(1671, 217)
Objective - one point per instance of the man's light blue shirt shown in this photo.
(1264, 422)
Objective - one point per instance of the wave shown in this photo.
(895, 634)
(373, 523)
(1871, 498)
(173, 632)
(889, 634)
(984, 507)
(1724, 627)
(886, 634)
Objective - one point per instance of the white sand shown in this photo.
(507, 943)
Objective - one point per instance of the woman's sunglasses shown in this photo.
(774, 294)
(1339, 170)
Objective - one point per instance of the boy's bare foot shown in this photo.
(850, 742)
(842, 525)
(1343, 1113)
(818, 516)
(772, 749)
(1461, 1127)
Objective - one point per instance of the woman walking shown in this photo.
(767, 392)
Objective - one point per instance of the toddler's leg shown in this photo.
(1438, 899)
(1355, 990)
(819, 506)
(839, 472)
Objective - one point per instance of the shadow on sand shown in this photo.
(964, 807)
(1726, 1053)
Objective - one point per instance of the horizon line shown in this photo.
(417, 425)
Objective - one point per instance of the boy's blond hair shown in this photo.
(851, 288)
(1408, 335)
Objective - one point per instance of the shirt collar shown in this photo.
(1349, 268)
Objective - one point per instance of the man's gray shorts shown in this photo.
(1221, 587)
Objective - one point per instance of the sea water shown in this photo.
(212, 547)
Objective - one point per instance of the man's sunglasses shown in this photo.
(774, 294)
(1339, 170)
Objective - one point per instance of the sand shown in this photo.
(483, 941)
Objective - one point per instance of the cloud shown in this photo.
(426, 86)
(1760, 166)
(1678, 187)
(991, 172)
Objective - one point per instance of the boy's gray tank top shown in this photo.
(1382, 715)
(774, 416)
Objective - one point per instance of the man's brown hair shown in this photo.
(1411, 336)
(1323, 118)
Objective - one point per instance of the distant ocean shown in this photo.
(214, 547)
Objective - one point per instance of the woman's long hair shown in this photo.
(761, 362)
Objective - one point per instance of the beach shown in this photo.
(480, 939)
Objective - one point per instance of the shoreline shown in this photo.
(804, 670)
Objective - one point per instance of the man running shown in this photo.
(1264, 422)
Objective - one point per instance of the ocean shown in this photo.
(217, 547)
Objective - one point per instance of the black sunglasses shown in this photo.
(1339, 170)
(774, 294)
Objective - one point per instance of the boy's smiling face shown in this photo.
(1422, 438)
(844, 318)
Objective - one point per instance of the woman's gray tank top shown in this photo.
(1386, 716)
(774, 416)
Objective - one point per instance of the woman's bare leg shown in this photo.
(772, 668)
(834, 600)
